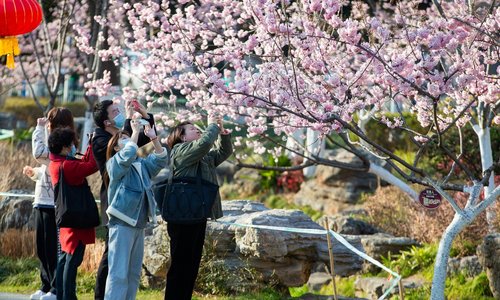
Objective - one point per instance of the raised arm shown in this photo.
(38, 143)
(192, 152)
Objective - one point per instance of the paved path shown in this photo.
(7, 296)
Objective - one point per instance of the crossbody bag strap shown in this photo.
(171, 170)
(61, 173)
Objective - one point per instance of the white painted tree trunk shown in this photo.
(486, 163)
(88, 127)
(315, 146)
(460, 221)
(439, 278)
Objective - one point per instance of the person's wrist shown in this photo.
(153, 138)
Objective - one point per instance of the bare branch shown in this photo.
(276, 168)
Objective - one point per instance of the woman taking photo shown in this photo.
(190, 149)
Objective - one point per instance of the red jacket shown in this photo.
(75, 172)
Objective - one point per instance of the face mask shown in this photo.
(119, 120)
(123, 142)
(72, 152)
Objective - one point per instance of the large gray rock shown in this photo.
(374, 287)
(16, 212)
(225, 172)
(285, 258)
(156, 256)
(289, 255)
(334, 189)
(248, 181)
(468, 265)
(381, 244)
(348, 225)
(489, 257)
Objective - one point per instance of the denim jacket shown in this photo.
(126, 188)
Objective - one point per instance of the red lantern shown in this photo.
(16, 17)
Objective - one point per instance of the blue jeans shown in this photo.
(67, 267)
(125, 253)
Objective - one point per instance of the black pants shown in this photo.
(46, 246)
(102, 271)
(186, 246)
(67, 268)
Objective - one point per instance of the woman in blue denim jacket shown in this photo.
(131, 204)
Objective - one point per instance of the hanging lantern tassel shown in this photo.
(10, 47)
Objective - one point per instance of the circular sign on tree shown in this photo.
(429, 198)
(17, 17)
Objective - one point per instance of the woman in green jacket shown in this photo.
(191, 148)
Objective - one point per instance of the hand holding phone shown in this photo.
(136, 105)
(143, 122)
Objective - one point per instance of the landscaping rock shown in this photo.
(468, 265)
(489, 257)
(225, 172)
(318, 280)
(374, 287)
(334, 189)
(285, 258)
(247, 181)
(156, 260)
(380, 244)
(348, 225)
(15, 212)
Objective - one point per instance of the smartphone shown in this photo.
(135, 104)
(143, 122)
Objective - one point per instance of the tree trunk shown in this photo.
(439, 277)
(87, 129)
(486, 163)
(3, 95)
(315, 146)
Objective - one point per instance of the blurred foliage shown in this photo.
(411, 261)
(393, 212)
(26, 109)
(279, 202)
(269, 178)
(434, 160)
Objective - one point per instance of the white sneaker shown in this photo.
(36, 295)
(49, 296)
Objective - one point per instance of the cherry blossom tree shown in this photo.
(70, 40)
(280, 65)
(47, 53)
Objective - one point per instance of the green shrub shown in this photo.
(27, 110)
(19, 272)
(269, 178)
(460, 286)
(280, 202)
(345, 287)
(411, 261)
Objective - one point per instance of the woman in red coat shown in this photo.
(73, 240)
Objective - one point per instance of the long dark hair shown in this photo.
(175, 136)
(61, 117)
(110, 152)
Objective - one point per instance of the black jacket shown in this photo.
(100, 142)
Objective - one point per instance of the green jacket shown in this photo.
(185, 158)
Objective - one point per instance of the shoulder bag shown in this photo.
(75, 204)
(186, 200)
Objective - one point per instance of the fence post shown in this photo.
(330, 254)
